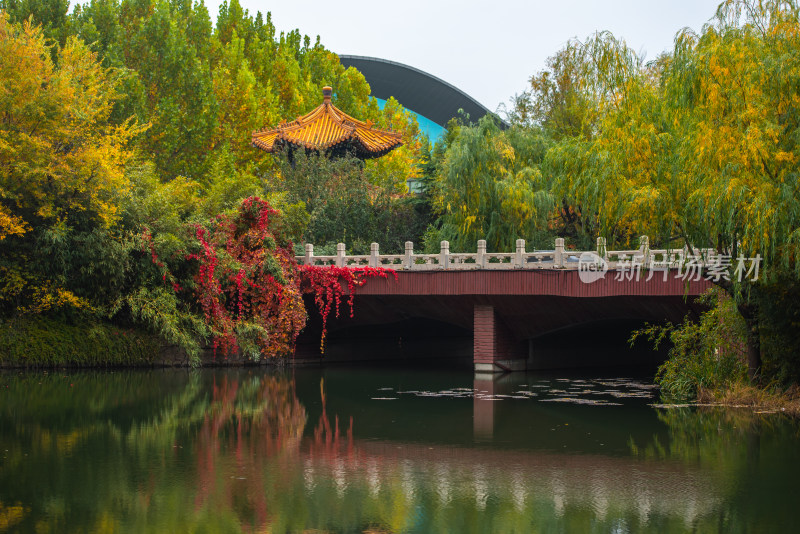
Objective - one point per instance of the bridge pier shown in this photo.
(483, 408)
(495, 348)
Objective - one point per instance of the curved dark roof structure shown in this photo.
(416, 90)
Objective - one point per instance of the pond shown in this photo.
(378, 450)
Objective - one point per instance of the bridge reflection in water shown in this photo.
(461, 488)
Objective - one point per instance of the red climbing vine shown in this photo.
(327, 283)
(246, 283)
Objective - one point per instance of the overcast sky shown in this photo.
(488, 48)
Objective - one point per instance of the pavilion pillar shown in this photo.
(495, 348)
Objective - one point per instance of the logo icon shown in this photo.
(591, 267)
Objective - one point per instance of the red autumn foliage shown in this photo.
(325, 283)
(246, 281)
(249, 287)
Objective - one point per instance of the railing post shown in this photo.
(644, 250)
(602, 250)
(340, 250)
(408, 258)
(444, 255)
(374, 255)
(309, 258)
(519, 255)
(480, 260)
(558, 255)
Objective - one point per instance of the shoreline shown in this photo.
(45, 343)
(762, 400)
(38, 343)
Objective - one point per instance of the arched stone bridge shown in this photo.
(508, 299)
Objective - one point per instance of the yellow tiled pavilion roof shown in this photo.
(327, 128)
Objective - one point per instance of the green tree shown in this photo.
(489, 186)
(51, 15)
(169, 47)
(62, 160)
(345, 206)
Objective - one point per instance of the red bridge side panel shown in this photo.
(528, 282)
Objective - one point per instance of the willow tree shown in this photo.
(489, 186)
(602, 113)
(736, 89)
(700, 147)
(563, 98)
(572, 101)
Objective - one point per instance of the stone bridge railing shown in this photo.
(558, 258)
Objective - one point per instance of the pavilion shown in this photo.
(328, 130)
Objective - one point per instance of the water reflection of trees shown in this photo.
(205, 450)
(751, 456)
(391, 486)
(402, 487)
(250, 434)
(242, 436)
(227, 451)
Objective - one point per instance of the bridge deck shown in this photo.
(507, 299)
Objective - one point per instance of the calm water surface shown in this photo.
(382, 450)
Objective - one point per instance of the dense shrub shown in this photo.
(41, 341)
(709, 353)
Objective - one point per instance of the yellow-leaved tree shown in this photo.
(61, 160)
(733, 89)
(58, 151)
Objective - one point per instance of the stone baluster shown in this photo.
(374, 255)
(602, 249)
(408, 257)
(480, 260)
(519, 255)
(558, 255)
(444, 255)
(340, 251)
(644, 250)
(309, 257)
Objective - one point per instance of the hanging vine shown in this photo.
(327, 284)
(249, 287)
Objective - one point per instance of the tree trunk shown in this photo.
(750, 315)
(753, 356)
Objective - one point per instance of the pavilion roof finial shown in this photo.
(327, 91)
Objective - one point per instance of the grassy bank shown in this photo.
(760, 399)
(47, 342)
(707, 361)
